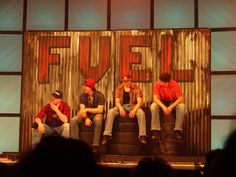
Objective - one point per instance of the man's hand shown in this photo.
(166, 111)
(132, 114)
(41, 129)
(88, 122)
(122, 112)
(54, 107)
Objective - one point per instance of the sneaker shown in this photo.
(156, 135)
(142, 140)
(106, 139)
(178, 134)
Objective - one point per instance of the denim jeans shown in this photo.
(97, 123)
(63, 130)
(155, 111)
(114, 112)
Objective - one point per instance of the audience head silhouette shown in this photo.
(59, 157)
(209, 160)
(224, 164)
(153, 167)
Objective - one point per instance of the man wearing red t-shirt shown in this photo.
(57, 117)
(167, 96)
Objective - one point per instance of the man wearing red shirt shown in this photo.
(57, 116)
(167, 96)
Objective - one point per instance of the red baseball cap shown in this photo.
(90, 83)
(126, 76)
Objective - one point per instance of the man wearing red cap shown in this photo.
(57, 116)
(128, 100)
(91, 111)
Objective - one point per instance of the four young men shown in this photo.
(128, 101)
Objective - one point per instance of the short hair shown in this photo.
(153, 167)
(165, 77)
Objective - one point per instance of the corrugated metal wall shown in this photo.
(62, 60)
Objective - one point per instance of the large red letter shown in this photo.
(103, 65)
(127, 57)
(166, 61)
(46, 58)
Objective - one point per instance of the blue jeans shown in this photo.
(63, 130)
(155, 111)
(97, 123)
(114, 112)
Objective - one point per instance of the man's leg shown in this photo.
(63, 130)
(107, 134)
(141, 122)
(112, 113)
(74, 126)
(142, 126)
(180, 114)
(155, 121)
(97, 120)
(36, 136)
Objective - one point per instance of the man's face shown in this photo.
(127, 82)
(87, 89)
(55, 100)
(164, 84)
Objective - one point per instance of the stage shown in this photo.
(122, 165)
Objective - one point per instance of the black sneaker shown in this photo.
(156, 135)
(106, 139)
(178, 134)
(142, 140)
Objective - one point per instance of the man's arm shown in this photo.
(119, 106)
(97, 110)
(159, 102)
(41, 115)
(136, 107)
(38, 121)
(178, 101)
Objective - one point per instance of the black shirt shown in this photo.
(126, 97)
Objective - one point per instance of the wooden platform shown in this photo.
(176, 162)
(7, 160)
(125, 138)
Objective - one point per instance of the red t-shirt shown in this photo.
(168, 93)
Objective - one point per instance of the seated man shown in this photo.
(128, 100)
(91, 111)
(167, 96)
(57, 114)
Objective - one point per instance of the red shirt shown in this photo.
(168, 93)
(49, 114)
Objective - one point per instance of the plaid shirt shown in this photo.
(135, 92)
(98, 99)
(51, 117)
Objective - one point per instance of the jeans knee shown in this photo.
(98, 122)
(181, 107)
(66, 125)
(140, 114)
(154, 107)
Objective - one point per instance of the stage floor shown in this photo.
(124, 161)
(176, 162)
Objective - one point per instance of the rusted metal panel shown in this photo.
(62, 60)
